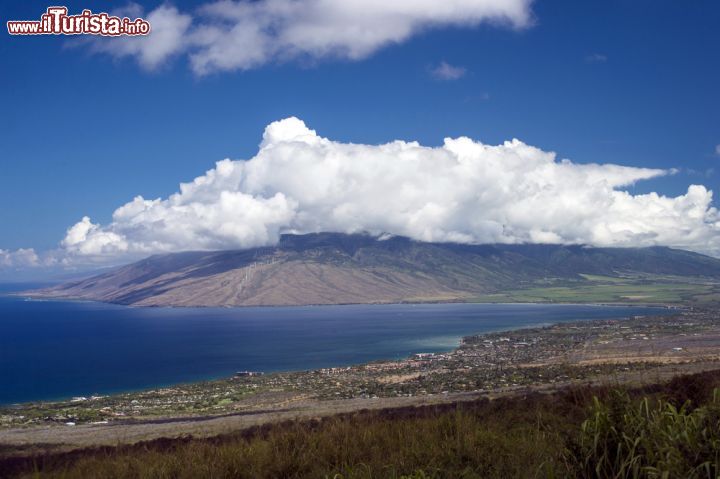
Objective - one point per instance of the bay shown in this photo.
(59, 349)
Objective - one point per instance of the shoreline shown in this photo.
(539, 359)
(35, 297)
(27, 442)
(459, 342)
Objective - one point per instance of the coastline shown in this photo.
(458, 341)
(33, 296)
(143, 416)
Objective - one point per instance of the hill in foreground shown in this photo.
(331, 268)
(668, 429)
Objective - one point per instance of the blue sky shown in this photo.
(626, 82)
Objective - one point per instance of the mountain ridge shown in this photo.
(335, 268)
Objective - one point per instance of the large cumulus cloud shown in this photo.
(464, 191)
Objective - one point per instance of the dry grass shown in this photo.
(586, 432)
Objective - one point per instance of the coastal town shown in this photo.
(566, 353)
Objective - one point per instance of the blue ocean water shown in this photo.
(59, 349)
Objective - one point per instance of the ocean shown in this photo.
(59, 349)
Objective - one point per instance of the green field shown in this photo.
(606, 289)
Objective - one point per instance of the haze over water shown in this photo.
(60, 349)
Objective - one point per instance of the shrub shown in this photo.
(650, 439)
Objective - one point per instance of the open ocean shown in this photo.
(60, 349)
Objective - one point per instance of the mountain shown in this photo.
(332, 268)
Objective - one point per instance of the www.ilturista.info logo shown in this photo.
(56, 21)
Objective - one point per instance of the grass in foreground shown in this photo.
(670, 430)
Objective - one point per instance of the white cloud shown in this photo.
(717, 150)
(89, 239)
(463, 191)
(20, 258)
(445, 71)
(239, 35)
(169, 29)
